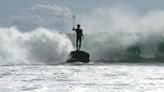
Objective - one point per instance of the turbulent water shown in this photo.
(82, 78)
(35, 62)
(40, 46)
(43, 46)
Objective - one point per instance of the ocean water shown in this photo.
(78, 77)
(30, 61)
(35, 61)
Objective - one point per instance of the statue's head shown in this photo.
(78, 25)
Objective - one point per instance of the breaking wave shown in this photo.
(43, 46)
(124, 46)
(121, 33)
(40, 46)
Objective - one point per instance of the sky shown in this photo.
(56, 14)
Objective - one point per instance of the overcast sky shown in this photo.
(28, 14)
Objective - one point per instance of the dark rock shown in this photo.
(78, 56)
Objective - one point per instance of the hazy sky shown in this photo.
(14, 12)
(16, 6)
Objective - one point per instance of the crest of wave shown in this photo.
(39, 46)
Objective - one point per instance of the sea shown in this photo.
(35, 61)
(80, 77)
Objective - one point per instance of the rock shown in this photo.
(78, 56)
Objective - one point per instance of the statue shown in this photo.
(79, 35)
(78, 55)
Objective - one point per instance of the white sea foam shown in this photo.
(38, 46)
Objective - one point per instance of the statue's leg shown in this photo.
(79, 43)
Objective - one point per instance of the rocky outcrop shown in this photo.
(78, 56)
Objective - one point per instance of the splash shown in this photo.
(38, 46)
(121, 33)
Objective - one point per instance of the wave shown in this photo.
(40, 46)
(125, 46)
(43, 46)
(121, 33)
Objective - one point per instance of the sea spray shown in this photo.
(122, 33)
(40, 46)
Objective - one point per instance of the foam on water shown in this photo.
(85, 78)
